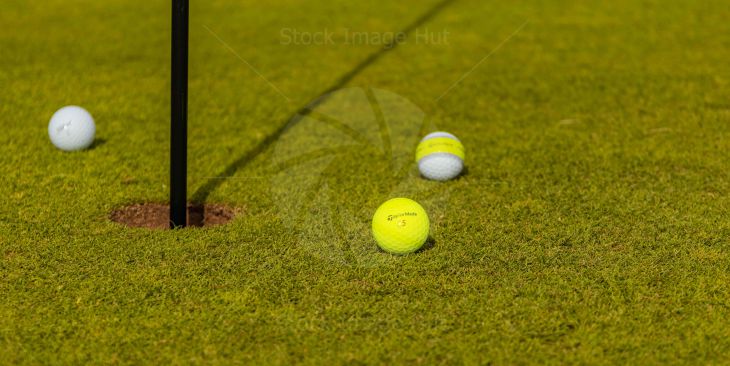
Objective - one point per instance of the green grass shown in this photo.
(592, 226)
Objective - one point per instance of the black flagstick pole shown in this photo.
(179, 115)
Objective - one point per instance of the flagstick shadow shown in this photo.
(212, 184)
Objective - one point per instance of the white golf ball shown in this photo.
(440, 156)
(72, 128)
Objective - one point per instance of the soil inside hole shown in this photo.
(157, 216)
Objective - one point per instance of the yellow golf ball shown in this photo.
(400, 226)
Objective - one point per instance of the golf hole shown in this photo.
(157, 215)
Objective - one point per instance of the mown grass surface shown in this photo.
(592, 225)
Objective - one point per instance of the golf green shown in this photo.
(591, 225)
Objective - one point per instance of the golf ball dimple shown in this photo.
(440, 156)
(72, 128)
(400, 226)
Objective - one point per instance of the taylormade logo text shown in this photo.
(391, 217)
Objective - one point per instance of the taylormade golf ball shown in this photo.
(440, 156)
(72, 128)
(400, 226)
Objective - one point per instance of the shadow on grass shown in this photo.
(212, 184)
(464, 174)
(428, 245)
(97, 143)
